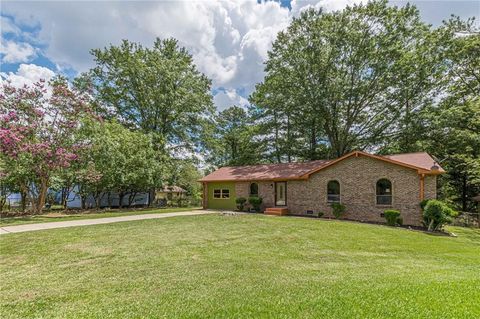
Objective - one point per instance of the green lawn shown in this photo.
(58, 216)
(249, 266)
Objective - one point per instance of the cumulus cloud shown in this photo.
(229, 97)
(16, 52)
(27, 74)
(229, 39)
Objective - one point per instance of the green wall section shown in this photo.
(221, 203)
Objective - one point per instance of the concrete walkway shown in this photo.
(97, 221)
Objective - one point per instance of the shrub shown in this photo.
(338, 210)
(400, 221)
(255, 202)
(240, 203)
(393, 217)
(436, 214)
(423, 203)
(320, 214)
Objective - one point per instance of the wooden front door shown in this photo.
(280, 193)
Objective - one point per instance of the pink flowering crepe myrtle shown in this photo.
(41, 126)
(38, 127)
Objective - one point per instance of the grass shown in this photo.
(60, 216)
(248, 266)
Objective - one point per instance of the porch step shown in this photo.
(279, 211)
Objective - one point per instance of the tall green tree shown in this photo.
(346, 77)
(157, 90)
(118, 161)
(453, 125)
(234, 139)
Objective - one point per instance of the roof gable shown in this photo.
(421, 162)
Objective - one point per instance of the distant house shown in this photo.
(366, 184)
(170, 192)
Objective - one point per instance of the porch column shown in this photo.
(422, 186)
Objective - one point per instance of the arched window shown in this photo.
(333, 192)
(253, 189)
(384, 192)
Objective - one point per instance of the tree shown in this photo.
(157, 90)
(119, 161)
(37, 127)
(185, 174)
(453, 125)
(345, 78)
(233, 140)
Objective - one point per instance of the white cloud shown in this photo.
(228, 39)
(8, 27)
(229, 97)
(16, 52)
(27, 74)
(328, 5)
(220, 35)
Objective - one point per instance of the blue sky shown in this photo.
(229, 40)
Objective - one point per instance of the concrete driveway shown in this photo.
(97, 221)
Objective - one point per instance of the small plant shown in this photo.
(436, 214)
(240, 203)
(338, 210)
(320, 214)
(424, 203)
(255, 201)
(393, 217)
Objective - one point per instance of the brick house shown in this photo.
(366, 184)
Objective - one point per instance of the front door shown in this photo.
(280, 193)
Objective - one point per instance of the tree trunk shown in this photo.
(151, 196)
(83, 199)
(464, 193)
(42, 196)
(121, 195)
(23, 199)
(98, 199)
(131, 197)
(65, 195)
(109, 199)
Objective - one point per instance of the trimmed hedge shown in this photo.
(393, 217)
(240, 203)
(255, 202)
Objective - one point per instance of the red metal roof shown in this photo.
(285, 171)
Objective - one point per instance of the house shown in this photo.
(170, 192)
(366, 184)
